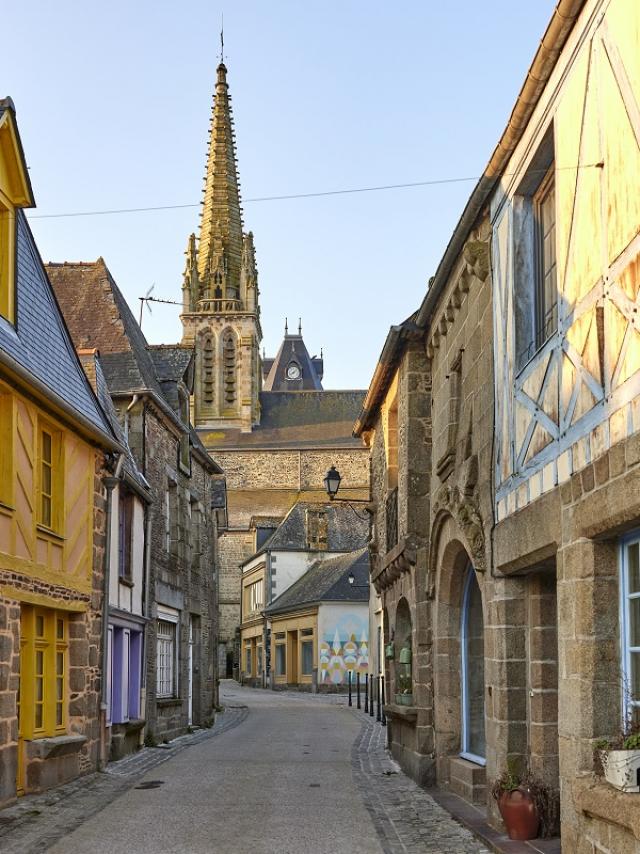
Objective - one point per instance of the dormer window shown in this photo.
(293, 371)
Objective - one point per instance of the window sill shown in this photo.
(49, 532)
(601, 801)
(126, 582)
(6, 508)
(166, 702)
(405, 713)
(59, 745)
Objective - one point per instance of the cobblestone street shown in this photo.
(277, 773)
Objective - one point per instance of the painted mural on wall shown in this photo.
(343, 648)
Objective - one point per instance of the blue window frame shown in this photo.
(472, 669)
(630, 624)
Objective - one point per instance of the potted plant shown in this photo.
(404, 695)
(619, 759)
(526, 805)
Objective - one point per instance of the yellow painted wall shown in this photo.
(60, 555)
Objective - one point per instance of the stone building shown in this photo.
(268, 422)
(291, 553)
(151, 388)
(55, 447)
(504, 413)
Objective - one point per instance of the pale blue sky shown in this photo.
(113, 103)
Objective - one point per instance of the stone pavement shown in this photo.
(302, 774)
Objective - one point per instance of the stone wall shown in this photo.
(179, 577)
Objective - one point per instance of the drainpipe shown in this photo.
(134, 400)
(146, 609)
(110, 483)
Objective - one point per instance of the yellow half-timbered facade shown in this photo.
(54, 442)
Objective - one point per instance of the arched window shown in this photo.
(208, 371)
(403, 654)
(472, 668)
(229, 368)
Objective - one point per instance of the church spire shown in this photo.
(220, 246)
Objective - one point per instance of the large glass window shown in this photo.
(281, 654)
(631, 627)
(472, 654)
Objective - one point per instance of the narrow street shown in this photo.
(285, 773)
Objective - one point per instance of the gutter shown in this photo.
(553, 40)
(76, 418)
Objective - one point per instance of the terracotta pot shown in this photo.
(519, 813)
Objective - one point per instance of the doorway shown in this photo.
(473, 744)
(292, 658)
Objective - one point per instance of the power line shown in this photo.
(344, 192)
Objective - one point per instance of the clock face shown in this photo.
(293, 372)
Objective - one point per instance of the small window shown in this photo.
(546, 302)
(166, 675)
(50, 479)
(125, 535)
(631, 628)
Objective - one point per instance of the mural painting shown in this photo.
(343, 648)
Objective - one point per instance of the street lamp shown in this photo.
(351, 578)
(332, 482)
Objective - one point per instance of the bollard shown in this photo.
(378, 718)
(371, 696)
(350, 700)
(383, 717)
(366, 693)
(358, 690)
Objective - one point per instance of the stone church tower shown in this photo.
(221, 316)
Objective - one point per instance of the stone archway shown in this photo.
(458, 609)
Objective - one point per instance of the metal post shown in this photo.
(371, 696)
(383, 717)
(350, 700)
(358, 705)
(366, 693)
(378, 718)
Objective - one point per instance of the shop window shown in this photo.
(248, 663)
(50, 482)
(472, 668)
(306, 656)
(43, 672)
(166, 658)
(281, 654)
(630, 584)
(259, 664)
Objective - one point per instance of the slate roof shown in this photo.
(171, 363)
(298, 419)
(345, 530)
(327, 581)
(293, 351)
(87, 290)
(93, 371)
(99, 317)
(40, 341)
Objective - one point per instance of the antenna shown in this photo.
(143, 300)
(300, 326)
(148, 298)
(286, 326)
(222, 37)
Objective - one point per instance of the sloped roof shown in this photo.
(297, 419)
(345, 530)
(93, 370)
(98, 315)
(327, 581)
(40, 342)
(293, 351)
